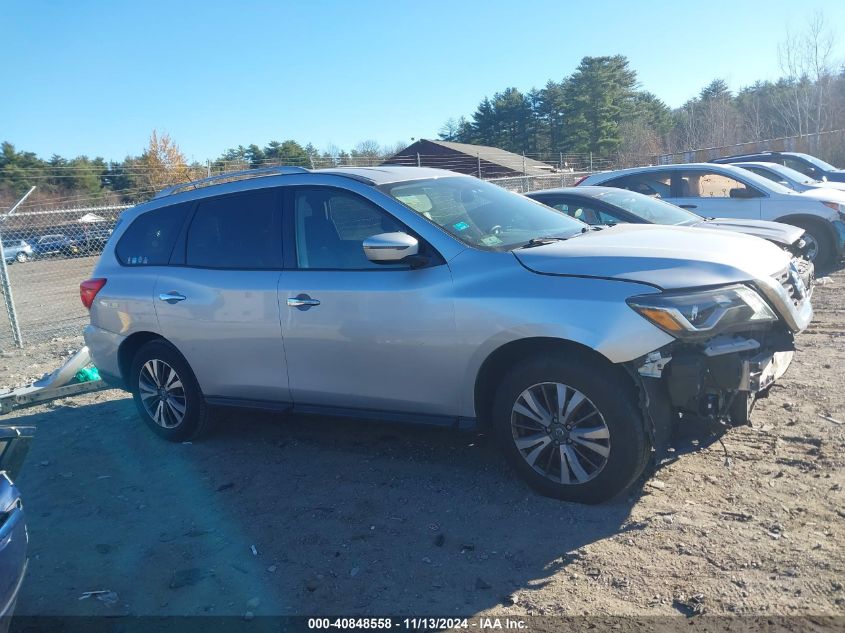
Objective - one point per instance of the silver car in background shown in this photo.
(420, 295)
(728, 191)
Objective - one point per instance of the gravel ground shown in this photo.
(278, 515)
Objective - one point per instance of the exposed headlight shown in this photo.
(704, 314)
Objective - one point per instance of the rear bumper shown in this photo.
(103, 347)
(13, 546)
(9, 608)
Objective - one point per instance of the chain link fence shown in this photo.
(47, 253)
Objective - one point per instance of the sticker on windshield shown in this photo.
(461, 226)
(491, 240)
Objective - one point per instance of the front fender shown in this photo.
(492, 310)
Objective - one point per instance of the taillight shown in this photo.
(88, 290)
(580, 180)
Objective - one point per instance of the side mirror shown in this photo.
(390, 248)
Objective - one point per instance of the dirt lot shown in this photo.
(315, 516)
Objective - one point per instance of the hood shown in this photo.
(777, 232)
(824, 193)
(668, 257)
(836, 186)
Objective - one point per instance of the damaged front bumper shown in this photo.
(719, 379)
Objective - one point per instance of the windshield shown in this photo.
(778, 173)
(482, 214)
(770, 186)
(648, 208)
(818, 162)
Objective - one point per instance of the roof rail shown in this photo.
(229, 176)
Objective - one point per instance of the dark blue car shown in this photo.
(14, 443)
(56, 244)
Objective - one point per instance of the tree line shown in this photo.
(601, 109)
(95, 181)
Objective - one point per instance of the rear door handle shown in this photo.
(172, 297)
(688, 206)
(302, 302)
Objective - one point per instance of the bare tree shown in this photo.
(806, 62)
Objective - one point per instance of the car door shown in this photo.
(360, 335)
(711, 193)
(217, 301)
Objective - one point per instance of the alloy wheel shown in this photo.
(560, 433)
(162, 393)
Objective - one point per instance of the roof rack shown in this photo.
(230, 176)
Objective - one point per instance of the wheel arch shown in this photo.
(129, 347)
(500, 360)
(807, 218)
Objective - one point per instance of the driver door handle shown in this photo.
(172, 297)
(302, 302)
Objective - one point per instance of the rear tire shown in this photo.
(166, 392)
(595, 445)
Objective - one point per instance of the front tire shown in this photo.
(21, 257)
(166, 392)
(820, 248)
(571, 427)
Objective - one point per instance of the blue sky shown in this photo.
(86, 77)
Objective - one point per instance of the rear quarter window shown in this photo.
(150, 238)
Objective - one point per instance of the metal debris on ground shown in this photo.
(88, 594)
(830, 419)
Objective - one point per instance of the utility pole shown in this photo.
(7, 286)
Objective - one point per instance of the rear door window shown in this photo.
(239, 231)
(654, 183)
(149, 239)
(705, 184)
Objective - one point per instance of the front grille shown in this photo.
(797, 280)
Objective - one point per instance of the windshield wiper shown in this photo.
(548, 239)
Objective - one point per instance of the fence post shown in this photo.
(591, 161)
(478, 154)
(526, 185)
(8, 299)
(418, 160)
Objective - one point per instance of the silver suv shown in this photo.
(420, 295)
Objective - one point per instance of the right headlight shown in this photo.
(704, 313)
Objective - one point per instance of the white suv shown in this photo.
(726, 191)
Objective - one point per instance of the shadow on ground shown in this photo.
(285, 516)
